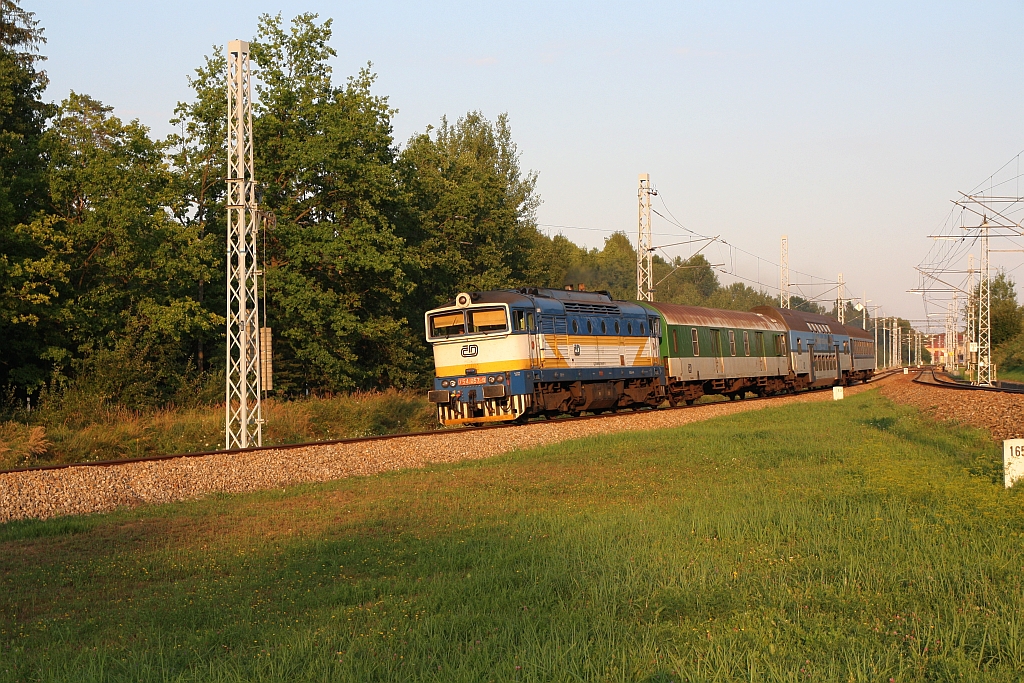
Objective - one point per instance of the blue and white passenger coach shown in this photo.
(504, 355)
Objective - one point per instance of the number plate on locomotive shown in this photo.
(466, 381)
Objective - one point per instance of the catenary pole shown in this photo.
(243, 416)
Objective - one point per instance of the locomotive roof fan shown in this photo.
(463, 299)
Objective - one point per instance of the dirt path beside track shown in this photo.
(83, 490)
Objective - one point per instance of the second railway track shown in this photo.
(937, 381)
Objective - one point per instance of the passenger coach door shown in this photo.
(535, 351)
(716, 350)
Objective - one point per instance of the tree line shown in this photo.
(112, 242)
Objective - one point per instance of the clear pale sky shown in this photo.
(848, 127)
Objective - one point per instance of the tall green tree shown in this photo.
(196, 190)
(470, 208)
(28, 274)
(130, 268)
(337, 277)
(1007, 314)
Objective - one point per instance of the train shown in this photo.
(508, 355)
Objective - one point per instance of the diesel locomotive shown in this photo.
(510, 354)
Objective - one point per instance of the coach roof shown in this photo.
(676, 314)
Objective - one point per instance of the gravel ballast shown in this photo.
(1001, 414)
(81, 490)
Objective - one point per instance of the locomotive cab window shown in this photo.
(531, 323)
(518, 320)
(448, 324)
(487, 320)
(799, 345)
(696, 342)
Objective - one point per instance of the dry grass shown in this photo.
(82, 429)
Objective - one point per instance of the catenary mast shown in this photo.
(644, 241)
(243, 422)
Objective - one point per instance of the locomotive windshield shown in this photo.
(473, 321)
(448, 324)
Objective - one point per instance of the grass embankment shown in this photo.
(1012, 374)
(84, 429)
(847, 541)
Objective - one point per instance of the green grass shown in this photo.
(847, 541)
(80, 428)
(1015, 374)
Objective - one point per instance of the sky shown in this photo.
(848, 127)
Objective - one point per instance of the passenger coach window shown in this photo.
(696, 344)
(675, 342)
(732, 343)
(746, 343)
(487, 320)
(447, 324)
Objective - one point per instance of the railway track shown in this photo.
(390, 437)
(949, 383)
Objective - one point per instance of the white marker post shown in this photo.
(1013, 461)
(837, 393)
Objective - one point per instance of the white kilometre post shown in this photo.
(243, 421)
(784, 273)
(644, 241)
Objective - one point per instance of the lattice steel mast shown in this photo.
(984, 313)
(784, 273)
(841, 301)
(644, 241)
(243, 422)
(971, 343)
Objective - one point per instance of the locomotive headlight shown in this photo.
(490, 379)
(445, 383)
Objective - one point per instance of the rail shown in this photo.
(948, 382)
